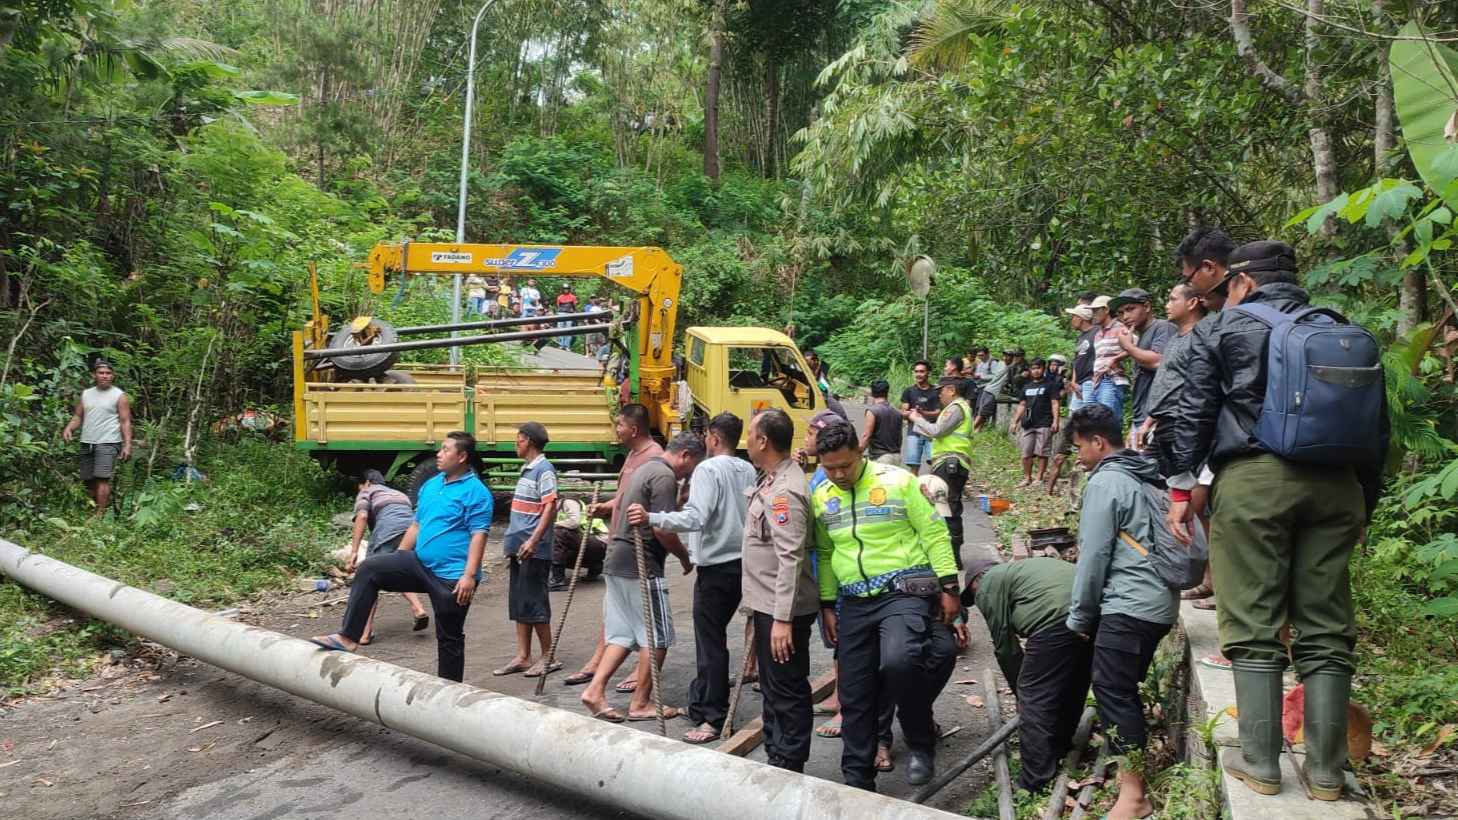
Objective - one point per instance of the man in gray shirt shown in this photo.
(104, 415)
(713, 517)
(1144, 339)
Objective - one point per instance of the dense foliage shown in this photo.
(169, 170)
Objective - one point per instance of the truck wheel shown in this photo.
(396, 377)
(423, 472)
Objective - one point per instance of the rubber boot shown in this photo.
(1325, 728)
(1257, 762)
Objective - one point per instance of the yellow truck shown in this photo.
(395, 424)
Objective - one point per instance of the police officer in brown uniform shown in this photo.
(779, 587)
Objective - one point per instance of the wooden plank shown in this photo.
(748, 738)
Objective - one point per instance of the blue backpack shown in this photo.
(1324, 387)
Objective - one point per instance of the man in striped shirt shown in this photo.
(528, 548)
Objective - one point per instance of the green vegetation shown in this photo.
(169, 170)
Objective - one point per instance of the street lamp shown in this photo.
(455, 356)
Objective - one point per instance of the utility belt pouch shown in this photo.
(922, 586)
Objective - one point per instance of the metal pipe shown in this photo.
(465, 164)
(427, 344)
(601, 316)
(634, 771)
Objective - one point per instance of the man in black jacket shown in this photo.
(1282, 532)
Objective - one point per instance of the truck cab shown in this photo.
(745, 369)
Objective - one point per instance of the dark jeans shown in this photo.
(785, 689)
(1052, 685)
(1123, 649)
(565, 543)
(955, 474)
(402, 572)
(716, 597)
(891, 647)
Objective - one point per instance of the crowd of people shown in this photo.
(857, 535)
(496, 297)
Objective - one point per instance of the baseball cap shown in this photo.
(950, 381)
(1129, 296)
(975, 570)
(1058, 357)
(1264, 255)
(1081, 311)
(824, 419)
(1099, 302)
(935, 490)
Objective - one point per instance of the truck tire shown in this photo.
(396, 377)
(423, 472)
(365, 364)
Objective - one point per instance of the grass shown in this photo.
(997, 469)
(260, 520)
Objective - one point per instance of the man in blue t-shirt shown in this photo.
(440, 555)
(528, 551)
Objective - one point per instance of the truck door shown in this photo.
(768, 376)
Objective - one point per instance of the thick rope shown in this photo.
(743, 673)
(645, 584)
(571, 590)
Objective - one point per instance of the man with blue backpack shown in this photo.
(1287, 404)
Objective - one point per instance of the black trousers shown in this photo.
(893, 651)
(1052, 685)
(785, 691)
(402, 572)
(716, 597)
(955, 474)
(1123, 648)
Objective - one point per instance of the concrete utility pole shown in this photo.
(639, 773)
(465, 164)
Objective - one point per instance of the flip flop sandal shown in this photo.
(1204, 605)
(510, 670)
(823, 710)
(669, 713)
(609, 715)
(367, 641)
(1197, 593)
(537, 672)
(828, 730)
(703, 736)
(627, 687)
(421, 622)
(577, 679)
(885, 764)
(330, 643)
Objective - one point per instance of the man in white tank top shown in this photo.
(105, 418)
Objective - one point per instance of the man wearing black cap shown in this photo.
(1282, 531)
(951, 456)
(1143, 337)
(1029, 599)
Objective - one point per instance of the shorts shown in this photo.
(622, 613)
(1035, 442)
(918, 449)
(384, 547)
(986, 405)
(99, 460)
(527, 601)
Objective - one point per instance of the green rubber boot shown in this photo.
(1257, 762)
(1327, 694)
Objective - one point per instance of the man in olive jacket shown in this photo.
(1029, 600)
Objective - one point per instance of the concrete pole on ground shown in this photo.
(633, 771)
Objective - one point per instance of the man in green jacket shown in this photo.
(1030, 600)
(1119, 601)
(888, 597)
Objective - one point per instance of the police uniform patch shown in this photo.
(832, 504)
(781, 508)
(877, 496)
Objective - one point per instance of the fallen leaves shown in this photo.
(1445, 733)
(204, 726)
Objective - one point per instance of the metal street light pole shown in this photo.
(465, 159)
